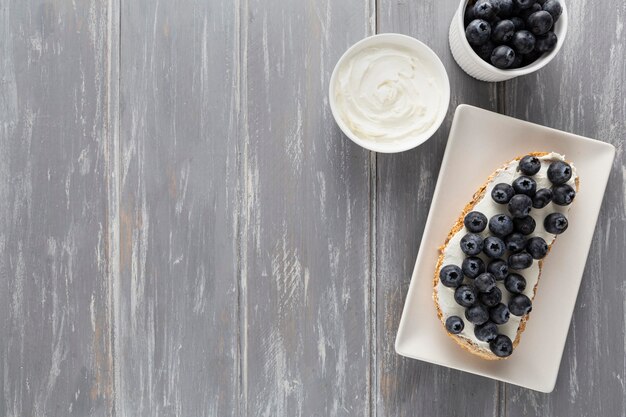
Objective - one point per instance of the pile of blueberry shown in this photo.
(502, 252)
(511, 33)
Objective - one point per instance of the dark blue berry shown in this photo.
(498, 268)
(563, 194)
(501, 346)
(484, 9)
(537, 247)
(520, 305)
(515, 283)
(503, 31)
(486, 332)
(546, 43)
(499, 314)
(523, 42)
(524, 4)
(529, 165)
(473, 267)
(527, 12)
(517, 62)
(502, 57)
(471, 244)
(525, 185)
(469, 15)
(485, 282)
(559, 172)
(518, 22)
(542, 198)
(520, 205)
(515, 242)
(491, 298)
(477, 314)
(451, 276)
(520, 260)
(454, 324)
(475, 221)
(505, 8)
(554, 8)
(484, 51)
(540, 22)
(501, 225)
(502, 193)
(494, 247)
(465, 295)
(525, 225)
(555, 223)
(478, 32)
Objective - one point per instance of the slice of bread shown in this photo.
(441, 294)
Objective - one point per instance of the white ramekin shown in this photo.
(472, 64)
(423, 52)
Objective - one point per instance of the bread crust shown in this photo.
(464, 342)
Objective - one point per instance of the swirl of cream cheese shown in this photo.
(386, 93)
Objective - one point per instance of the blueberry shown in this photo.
(505, 8)
(515, 242)
(502, 57)
(499, 314)
(501, 346)
(478, 32)
(477, 314)
(484, 51)
(527, 12)
(502, 193)
(451, 276)
(485, 282)
(520, 260)
(454, 324)
(486, 332)
(503, 31)
(554, 8)
(469, 15)
(559, 172)
(546, 43)
(555, 223)
(491, 298)
(518, 22)
(532, 56)
(525, 185)
(501, 225)
(515, 283)
(471, 244)
(524, 4)
(493, 247)
(517, 62)
(498, 268)
(484, 9)
(520, 305)
(473, 267)
(563, 194)
(529, 165)
(465, 295)
(542, 198)
(523, 42)
(475, 221)
(537, 247)
(524, 225)
(520, 205)
(540, 22)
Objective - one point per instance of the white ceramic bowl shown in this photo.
(471, 63)
(428, 57)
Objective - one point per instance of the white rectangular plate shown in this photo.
(481, 141)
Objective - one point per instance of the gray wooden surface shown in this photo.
(185, 232)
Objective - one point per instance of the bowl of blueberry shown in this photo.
(496, 40)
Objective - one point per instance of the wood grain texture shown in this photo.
(305, 216)
(176, 349)
(55, 329)
(582, 92)
(405, 185)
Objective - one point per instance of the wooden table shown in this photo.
(186, 232)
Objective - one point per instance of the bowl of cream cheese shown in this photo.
(389, 93)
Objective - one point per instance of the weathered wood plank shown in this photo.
(405, 186)
(54, 123)
(305, 216)
(582, 91)
(176, 349)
